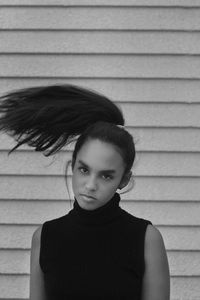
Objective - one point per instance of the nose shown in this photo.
(91, 184)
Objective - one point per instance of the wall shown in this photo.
(145, 56)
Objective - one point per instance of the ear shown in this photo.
(125, 180)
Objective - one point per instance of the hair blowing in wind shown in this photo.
(50, 117)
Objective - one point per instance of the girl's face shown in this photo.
(97, 173)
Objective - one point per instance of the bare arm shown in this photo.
(37, 291)
(156, 280)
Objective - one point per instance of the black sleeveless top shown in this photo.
(96, 254)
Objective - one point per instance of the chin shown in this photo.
(86, 203)
(88, 206)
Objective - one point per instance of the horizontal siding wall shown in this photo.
(145, 56)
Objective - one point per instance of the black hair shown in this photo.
(50, 117)
(110, 133)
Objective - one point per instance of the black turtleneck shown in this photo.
(94, 254)
(99, 216)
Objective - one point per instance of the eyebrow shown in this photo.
(102, 171)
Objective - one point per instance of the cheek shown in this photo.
(109, 188)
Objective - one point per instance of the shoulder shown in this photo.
(53, 224)
(133, 227)
(50, 232)
(36, 236)
(156, 280)
(35, 245)
(152, 233)
(37, 290)
(131, 219)
(153, 239)
(155, 255)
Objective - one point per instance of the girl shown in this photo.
(97, 250)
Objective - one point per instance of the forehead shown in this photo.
(100, 156)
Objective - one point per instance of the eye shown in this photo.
(83, 170)
(107, 176)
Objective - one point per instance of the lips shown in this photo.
(88, 196)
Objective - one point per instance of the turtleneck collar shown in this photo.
(101, 215)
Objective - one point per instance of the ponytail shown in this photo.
(50, 117)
